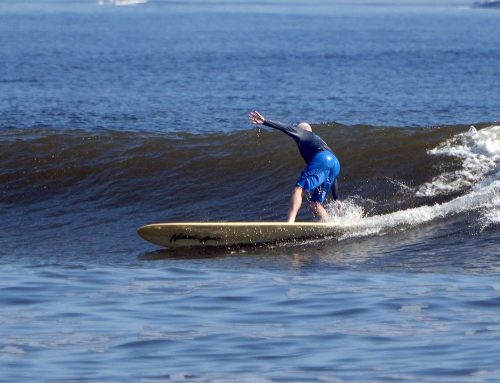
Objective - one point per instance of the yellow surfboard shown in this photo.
(183, 234)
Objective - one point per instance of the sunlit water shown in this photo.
(90, 98)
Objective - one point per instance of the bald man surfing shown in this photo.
(321, 172)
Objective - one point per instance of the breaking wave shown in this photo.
(391, 178)
(478, 174)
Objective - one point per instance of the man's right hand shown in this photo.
(256, 118)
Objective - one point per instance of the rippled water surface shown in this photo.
(279, 315)
(114, 117)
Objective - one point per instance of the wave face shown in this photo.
(247, 175)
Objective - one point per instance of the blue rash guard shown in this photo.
(323, 168)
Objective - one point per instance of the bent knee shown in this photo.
(298, 190)
(315, 205)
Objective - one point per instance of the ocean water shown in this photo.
(112, 117)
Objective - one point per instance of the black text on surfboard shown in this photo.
(180, 236)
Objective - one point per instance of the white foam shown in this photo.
(486, 199)
(346, 210)
(491, 216)
(480, 153)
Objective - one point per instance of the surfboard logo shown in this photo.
(180, 236)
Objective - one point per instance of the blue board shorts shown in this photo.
(320, 176)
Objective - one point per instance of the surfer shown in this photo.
(321, 172)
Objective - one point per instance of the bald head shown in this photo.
(305, 126)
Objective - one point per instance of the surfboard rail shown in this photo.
(188, 234)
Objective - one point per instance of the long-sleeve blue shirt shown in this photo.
(309, 143)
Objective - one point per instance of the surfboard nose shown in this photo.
(144, 230)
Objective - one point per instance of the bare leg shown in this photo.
(319, 211)
(295, 203)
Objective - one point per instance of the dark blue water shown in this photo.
(200, 67)
(113, 117)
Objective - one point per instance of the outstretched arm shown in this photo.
(258, 119)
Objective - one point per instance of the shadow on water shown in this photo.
(319, 254)
(187, 253)
(305, 249)
(183, 254)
